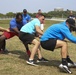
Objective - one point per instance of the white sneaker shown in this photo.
(65, 68)
(31, 62)
(71, 64)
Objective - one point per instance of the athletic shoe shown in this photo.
(71, 64)
(65, 68)
(42, 60)
(31, 62)
(28, 52)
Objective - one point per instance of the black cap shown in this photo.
(71, 21)
(24, 10)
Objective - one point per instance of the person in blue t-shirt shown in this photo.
(54, 37)
(26, 16)
(15, 26)
(27, 36)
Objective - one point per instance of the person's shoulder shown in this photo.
(13, 21)
(36, 19)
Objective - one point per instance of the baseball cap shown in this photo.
(71, 21)
(24, 10)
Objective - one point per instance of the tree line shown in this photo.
(50, 14)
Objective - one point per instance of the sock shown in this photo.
(64, 62)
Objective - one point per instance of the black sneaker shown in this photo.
(65, 68)
(31, 62)
(42, 60)
(71, 63)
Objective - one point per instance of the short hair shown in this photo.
(40, 14)
(24, 10)
(17, 15)
(71, 21)
(71, 24)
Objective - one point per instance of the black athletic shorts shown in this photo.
(49, 44)
(26, 38)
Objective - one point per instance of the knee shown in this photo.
(64, 44)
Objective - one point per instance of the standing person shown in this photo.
(26, 16)
(27, 37)
(54, 37)
(15, 26)
(39, 12)
(42, 24)
(72, 15)
(2, 46)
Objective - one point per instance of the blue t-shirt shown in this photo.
(26, 17)
(30, 27)
(59, 31)
(14, 24)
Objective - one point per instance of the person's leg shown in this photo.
(34, 49)
(40, 58)
(27, 49)
(33, 52)
(64, 48)
(3, 38)
(64, 52)
(2, 43)
(70, 62)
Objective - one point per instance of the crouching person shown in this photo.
(54, 37)
(27, 37)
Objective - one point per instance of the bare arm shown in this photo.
(3, 29)
(39, 30)
(16, 30)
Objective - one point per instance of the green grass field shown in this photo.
(14, 63)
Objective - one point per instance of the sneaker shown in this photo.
(42, 60)
(65, 68)
(71, 64)
(31, 62)
(28, 52)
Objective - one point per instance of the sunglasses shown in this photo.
(43, 19)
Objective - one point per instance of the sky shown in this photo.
(33, 5)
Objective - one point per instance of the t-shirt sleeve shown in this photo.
(37, 23)
(13, 25)
(66, 32)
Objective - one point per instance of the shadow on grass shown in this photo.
(21, 54)
(54, 63)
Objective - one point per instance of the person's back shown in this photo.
(58, 31)
(30, 27)
(54, 31)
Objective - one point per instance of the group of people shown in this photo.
(52, 38)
